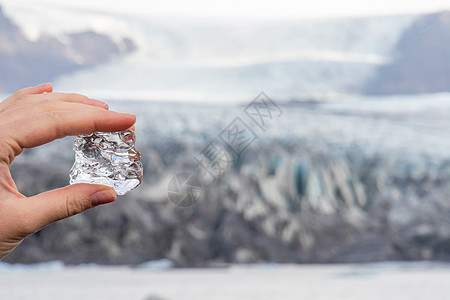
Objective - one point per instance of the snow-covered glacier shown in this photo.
(188, 59)
(351, 180)
(348, 181)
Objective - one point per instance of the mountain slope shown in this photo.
(24, 62)
(422, 63)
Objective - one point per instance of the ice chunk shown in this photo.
(108, 158)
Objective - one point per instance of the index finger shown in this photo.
(42, 128)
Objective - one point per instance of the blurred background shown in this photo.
(343, 192)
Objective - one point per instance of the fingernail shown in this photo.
(102, 197)
(42, 85)
(99, 103)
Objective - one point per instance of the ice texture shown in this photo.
(108, 158)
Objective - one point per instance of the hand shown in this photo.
(35, 116)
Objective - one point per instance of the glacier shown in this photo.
(355, 180)
(189, 59)
(232, 61)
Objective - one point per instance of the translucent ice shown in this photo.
(107, 158)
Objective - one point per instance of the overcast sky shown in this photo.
(273, 9)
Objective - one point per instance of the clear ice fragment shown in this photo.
(108, 158)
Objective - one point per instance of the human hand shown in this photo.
(35, 116)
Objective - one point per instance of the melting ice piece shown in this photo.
(108, 158)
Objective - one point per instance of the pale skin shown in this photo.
(35, 116)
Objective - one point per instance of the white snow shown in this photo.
(409, 281)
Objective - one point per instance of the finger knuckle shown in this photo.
(47, 105)
(52, 115)
(78, 97)
(22, 98)
(21, 92)
(74, 205)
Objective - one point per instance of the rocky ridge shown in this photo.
(26, 63)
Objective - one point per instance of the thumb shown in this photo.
(51, 206)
